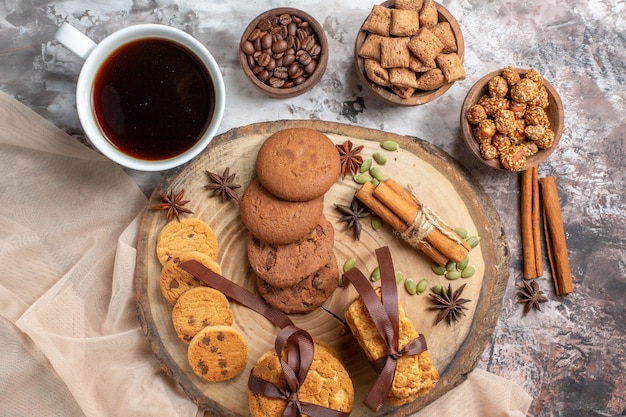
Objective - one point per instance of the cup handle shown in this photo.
(74, 40)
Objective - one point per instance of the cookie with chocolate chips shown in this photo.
(285, 265)
(174, 281)
(217, 353)
(305, 296)
(197, 308)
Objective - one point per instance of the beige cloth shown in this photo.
(71, 341)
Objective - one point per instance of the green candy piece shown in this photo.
(461, 232)
(468, 272)
(377, 223)
(390, 145)
(421, 286)
(410, 286)
(452, 275)
(349, 264)
(380, 158)
(362, 178)
(366, 165)
(437, 289)
(399, 277)
(463, 264)
(377, 173)
(375, 275)
(473, 241)
(438, 269)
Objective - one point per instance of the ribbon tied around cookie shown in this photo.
(384, 314)
(296, 346)
(296, 343)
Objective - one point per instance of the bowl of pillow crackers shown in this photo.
(409, 52)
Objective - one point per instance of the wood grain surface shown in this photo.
(438, 180)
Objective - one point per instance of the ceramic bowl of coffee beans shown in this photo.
(409, 52)
(512, 119)
(284, 52)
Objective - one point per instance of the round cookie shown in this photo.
(190, 234)
(197, 308)
(278, 221)
(174, 281)
(298, 164)
(305, 296)
(217, 353)
(327, 384)
(286, 265)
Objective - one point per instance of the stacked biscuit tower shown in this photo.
(290, 248)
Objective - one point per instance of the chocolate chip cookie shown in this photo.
(305, 296)
(217, 353)
(286, 265)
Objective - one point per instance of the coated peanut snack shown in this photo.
(510, 122)
(408, 49)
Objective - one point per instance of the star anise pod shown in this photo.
(223, 185)
(349, 158)
(174, 204)
(352, 215)
(530, 295)
(450, 304)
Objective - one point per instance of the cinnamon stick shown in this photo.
(404, 193)
(555, 237)
(536, 222)
(526, 217)
(366, 195)
(408, 210)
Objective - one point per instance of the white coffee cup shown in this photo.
(97, 54)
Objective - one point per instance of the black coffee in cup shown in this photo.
(153, 99)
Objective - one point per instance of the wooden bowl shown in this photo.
(419, 97)
(554, 112)
(312, 79)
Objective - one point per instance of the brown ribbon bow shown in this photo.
(298, 342)
(299, 359)
(384, 314)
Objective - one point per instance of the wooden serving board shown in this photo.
(438, 180)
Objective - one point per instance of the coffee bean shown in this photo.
(282, 51)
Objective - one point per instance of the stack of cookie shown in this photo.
(201, 316)
(290, 248)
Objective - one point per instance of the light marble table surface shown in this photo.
(569, 357)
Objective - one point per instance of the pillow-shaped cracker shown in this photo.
(403, 92)
(402, 77)
(378, 20)
(418, 66)
(451, 66)
(394, 52)
(425, 46)
(408, 5)
(431, 80)
(376, 73)
(443, 31)
(428, 14)
(371, 47)
(404, 22)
